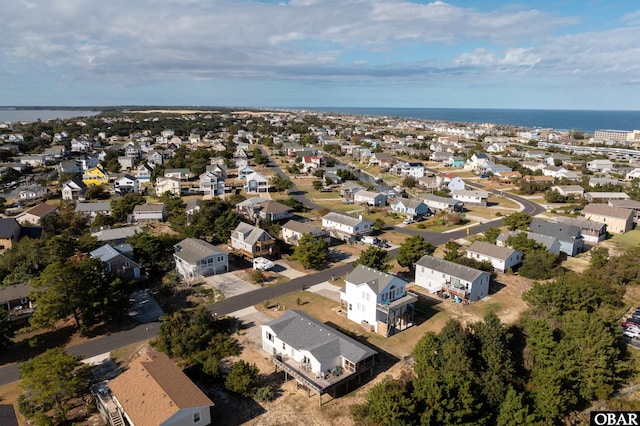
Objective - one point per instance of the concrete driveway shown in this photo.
(144, 308)
(229, 284)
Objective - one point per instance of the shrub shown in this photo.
(265, 393)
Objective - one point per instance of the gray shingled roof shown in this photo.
(194, 249)
(458, 271)
(245, 228)
(14, 292)
(582, 223)
(561, 231)
(155, 207)
(117, 233)
(325, 343)
(93, 207)
(8, 226)
(438, 199)
(301, 227)
(411, 203)
(488, 249)
(375, 279)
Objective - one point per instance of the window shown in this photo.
(220, 259)
(196, 417)
(284, 346)
(270, 336)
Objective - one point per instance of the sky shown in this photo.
(542, 54)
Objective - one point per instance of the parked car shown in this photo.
(408, 221)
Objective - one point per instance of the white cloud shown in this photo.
(132, 41)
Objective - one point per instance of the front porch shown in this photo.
(397, 315)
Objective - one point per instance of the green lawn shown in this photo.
(630, 239)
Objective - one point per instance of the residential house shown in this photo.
(382, 159)
(68, 166)
(197, 258)
(628, 204)
(93, 209)
(126, 163)
(256, 183)
(156, 212)
(409, 207)
(349, 188)
(633, 174)
(374, 199)
(461, 282)
(450, 181)
(569, 236)
(153, 391)
(118, 260)
(441, 157)
(219, 170)
(501, 258)
(319, 357)
(244, 171)
(435, 202)
(415, 170)
(592, 232)
(211, 184)
(180, 174)
(155, 158)
(573, 191)
(508, 177)
(618, 220)
(378, 301)
(292, 232)
(15, 300)
(35, 214)
(73, 190)
(533, 165)
(603, 182)
(33, 192)
(273, 211)
(32, 160)
(143, 173)
(477, 161)
(429, 183)
(9, 233)
(116, 236)
(250, 242)
(604, 197)
(95, 176)
(550, 243)
(345, 227)
(477, 197)
(192, 206)
(311, 162)
(126, 184)
(600, 165)
(170, 185)
(495, 168)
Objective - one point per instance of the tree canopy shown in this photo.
(375, 258)
(311, 252)
(49, 382)
(517, 220)
(412, 250)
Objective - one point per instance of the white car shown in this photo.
(408, 221)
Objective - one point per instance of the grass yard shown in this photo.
(629, 239)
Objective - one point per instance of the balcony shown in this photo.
(387, 306)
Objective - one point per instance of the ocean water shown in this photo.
(583, 120)
(29, 115)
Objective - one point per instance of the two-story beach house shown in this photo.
(197, 258)
(378, 301)
(460, 282)
(344, 227)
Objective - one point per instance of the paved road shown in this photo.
(9, 373)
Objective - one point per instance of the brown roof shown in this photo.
(42, 210)
(605, 210)
(274, 207)
(154, 388)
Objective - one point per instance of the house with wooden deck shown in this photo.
(321, 359)
(450, 279)
(377, 301)
(618, 220)
(250, 242)
(197, 258)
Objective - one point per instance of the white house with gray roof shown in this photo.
(378, 301)
(409, 207)
(374, 199)
(197, 258)
(441, 276)
(435, 202)
(345, 227)
(501, 258)
(316, 355)
(570, 236)
(93, 209)
(292, 231)
(471, 197)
